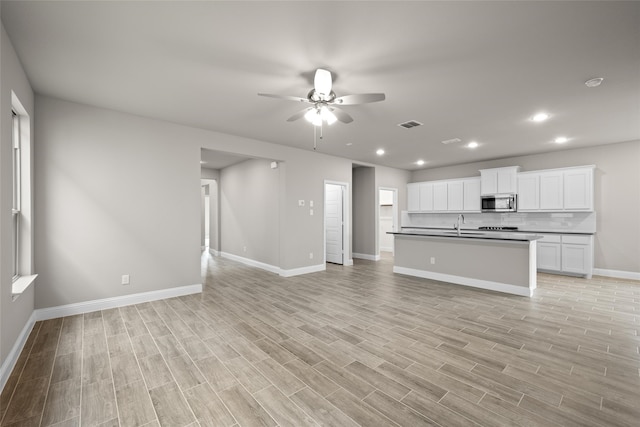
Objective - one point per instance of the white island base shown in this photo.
(499, 265)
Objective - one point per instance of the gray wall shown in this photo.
(115, 194)
(14, 315)
(617, 194)
(364, 211)
(250, 211)
(391, 178)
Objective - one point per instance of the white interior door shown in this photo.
(334, 223)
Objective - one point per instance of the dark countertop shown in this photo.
(468, 234)
(526, 231)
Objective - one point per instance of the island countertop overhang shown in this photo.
(469, 234)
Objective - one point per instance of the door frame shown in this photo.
(347, 260)
(394, 214)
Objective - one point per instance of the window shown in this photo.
(21, 209)
(15, 210)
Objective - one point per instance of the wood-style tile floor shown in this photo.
(350, 346)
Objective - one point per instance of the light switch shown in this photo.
(310, 203)
(311, 212)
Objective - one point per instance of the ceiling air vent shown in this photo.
(410, 124)
(451, 141)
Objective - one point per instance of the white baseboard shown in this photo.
(466, 281)
(348, 262)
(121, 301)
(214, 252)
(366, 256)
(618, 274)
(18, 346)
(274, 269)
(386, 249)
(303, 270)
(250, 262)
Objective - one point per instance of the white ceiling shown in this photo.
(469, 70)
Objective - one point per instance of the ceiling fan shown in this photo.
(324, 102)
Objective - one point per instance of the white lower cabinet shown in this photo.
(566, 253)
(550, 252)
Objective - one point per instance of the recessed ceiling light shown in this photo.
(472, 144)
(202, 162)
(594, 82)
(380, 152)
(561, 140)
(420, 162)
(540, 117)
(349, 144)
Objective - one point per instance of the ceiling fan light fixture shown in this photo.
(313, 116)
(327, 115)
(322, 82)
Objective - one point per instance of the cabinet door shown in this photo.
(440, 196)
(426, 196)
(455, 196)
(507, 181)
(528, 192)
(549, 256)
(413, 197)
(471, 192)
(575, 258)
(578, 189)
(551, 190)
(489, 181)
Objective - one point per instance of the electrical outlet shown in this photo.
(125, 279)
(244, 249)
(310, 255)
(311, 212)
(433, 260)
(310, 203)
(300, 202)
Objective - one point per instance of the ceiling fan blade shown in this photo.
(322, 82)
(341, 115)
(285, 97)
(363, 98)
(299, 114)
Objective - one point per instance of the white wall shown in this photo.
(115, 194)
(14, 315)
(617, 194)
(250, 211)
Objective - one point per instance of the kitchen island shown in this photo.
(503, 262)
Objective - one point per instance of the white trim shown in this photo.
(349, 262)
(20, 285)
(618, 274)
(303, 270)
(272, 268)
(366, 256)
(121, 301)
(251, 262)
(386, 249)
(18, 346)
(214, 252)
(466, 281)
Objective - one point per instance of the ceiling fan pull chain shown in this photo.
(314, 138)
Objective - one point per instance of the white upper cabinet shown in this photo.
(413, 197)
(528, 191)
(471, 190)
(455, 195)
(440, 202)
(578, 189)
(499, 180)
(551, 190)
(426, 196)
(568, 189)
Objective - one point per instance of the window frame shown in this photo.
(17, 193)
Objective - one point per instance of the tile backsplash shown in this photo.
(577, 222)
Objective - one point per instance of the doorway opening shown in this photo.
(387, 217)
(335, 223)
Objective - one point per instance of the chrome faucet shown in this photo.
(457, 226)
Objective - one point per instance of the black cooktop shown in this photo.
(498, 228)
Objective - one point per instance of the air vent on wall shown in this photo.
(410, 124)
(451, 141)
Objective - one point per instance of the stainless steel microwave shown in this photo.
(499, 203)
